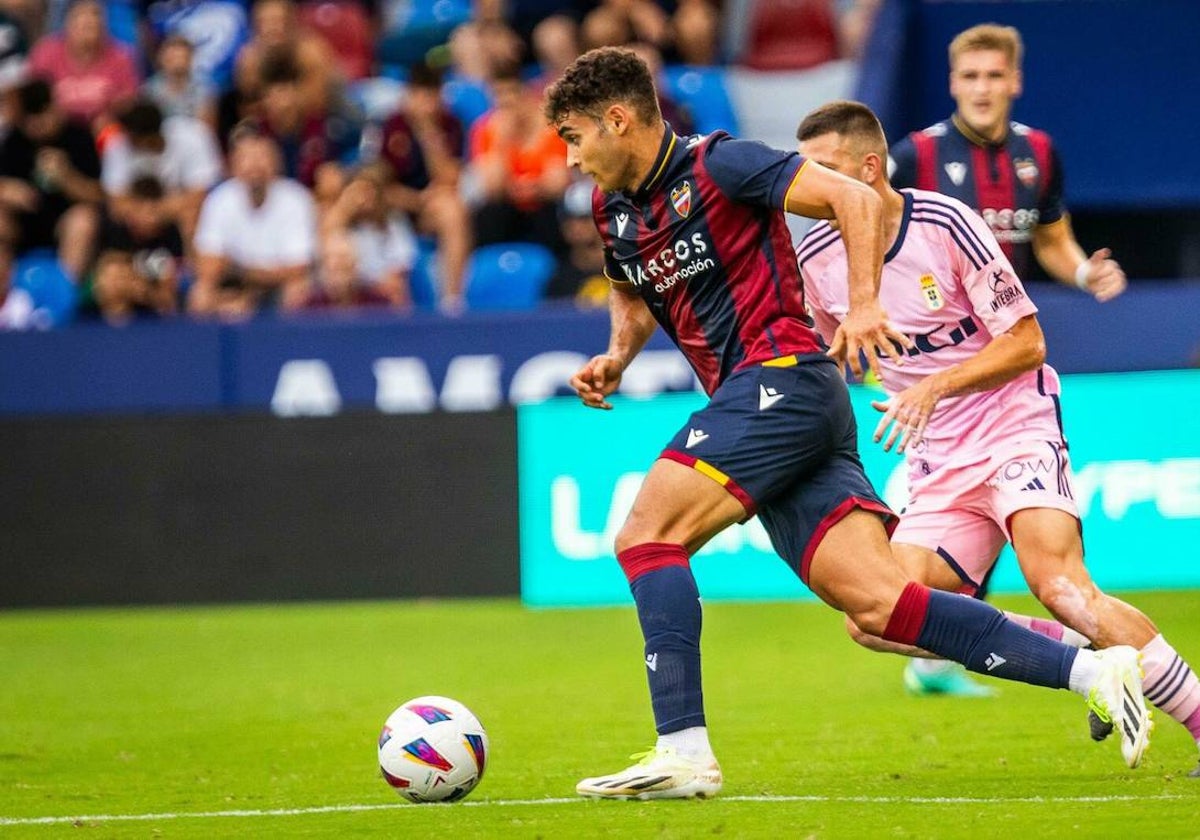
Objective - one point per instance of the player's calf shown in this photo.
(978, 636)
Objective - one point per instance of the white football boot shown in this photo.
(660, 773)
(1117, 698)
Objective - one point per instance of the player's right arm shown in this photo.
(632, 326)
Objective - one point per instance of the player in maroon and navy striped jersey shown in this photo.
(695, 242)
(1010, 173)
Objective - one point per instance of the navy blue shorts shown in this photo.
(782, 439)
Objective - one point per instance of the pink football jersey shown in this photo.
(947, 285)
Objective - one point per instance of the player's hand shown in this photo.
(907, 413)
(866, 328)
(1105, 279)
(597, 380)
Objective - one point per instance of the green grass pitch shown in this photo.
(241, 715)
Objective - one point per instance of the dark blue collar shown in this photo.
(661, 161)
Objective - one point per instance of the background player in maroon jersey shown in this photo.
(696, 242)
(1010, 173)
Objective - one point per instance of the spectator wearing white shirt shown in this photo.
(384, 245)
(181, 152)
(255, 241)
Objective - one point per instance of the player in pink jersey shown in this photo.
(974, 407)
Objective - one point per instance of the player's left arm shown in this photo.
(1001, 360)
(1061, 256)
(1058, 252)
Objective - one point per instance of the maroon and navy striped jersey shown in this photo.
(1015, 185)
(704, 242)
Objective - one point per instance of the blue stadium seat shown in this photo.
(508, 275)
(702, 91)
(55, 297)
(123, 21)
(467, 99)
(425, 24)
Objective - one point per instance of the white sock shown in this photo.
(1075, 640)
(1084, 672)
(689, 743)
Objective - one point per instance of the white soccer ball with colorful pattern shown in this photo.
(433, 749)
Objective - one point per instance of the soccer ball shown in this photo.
(432, 749)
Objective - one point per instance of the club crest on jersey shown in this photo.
(681, 199)
(1027, 171)
(933, 295)
(957, 171)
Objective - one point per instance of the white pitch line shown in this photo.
(483, 803)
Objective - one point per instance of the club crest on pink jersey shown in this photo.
(1027, 171)
(931, 292)
(681, 199)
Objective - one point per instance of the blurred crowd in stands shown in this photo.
(214, 158)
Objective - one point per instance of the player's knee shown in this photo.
(632, 534)
(642, 526)
(633, 537)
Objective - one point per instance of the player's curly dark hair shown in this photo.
(599, 78)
